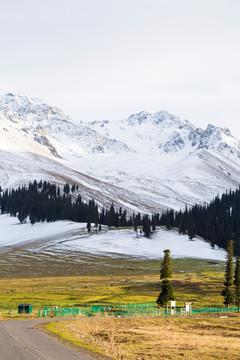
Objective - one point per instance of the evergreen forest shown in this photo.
(42, 201)
(216, 222)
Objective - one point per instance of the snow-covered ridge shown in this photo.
(147, 162)
(50, 127)
(168, 133)
(142, 132)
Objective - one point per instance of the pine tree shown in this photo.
(146, 226)
(191, 232)
(166, 266)
(167, 292)
(153, 223)
(111, 216)
(66, 188)
(237, 282)
(89, 225)
(32, 219)
(227, 292)
(135, 224)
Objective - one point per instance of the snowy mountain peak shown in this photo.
(142, 132)
(161, 117)
(51, 128)
(211, 129)
(146, 162)
(163, 132)
(216, 138)
(140, 117)
(23, 108)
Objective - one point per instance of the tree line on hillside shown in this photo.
(217, 222)
(43, 201)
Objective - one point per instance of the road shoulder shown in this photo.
(42, 327)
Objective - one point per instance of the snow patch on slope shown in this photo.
(113, 242)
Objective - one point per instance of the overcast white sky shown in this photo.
(107, 59)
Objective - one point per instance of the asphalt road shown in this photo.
(19, 340)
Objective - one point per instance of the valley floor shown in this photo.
(61, 264)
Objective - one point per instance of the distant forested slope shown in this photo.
(217, 222)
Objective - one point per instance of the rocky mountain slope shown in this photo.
(166, 133)
(148, 162)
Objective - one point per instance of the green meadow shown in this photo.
(115, 281)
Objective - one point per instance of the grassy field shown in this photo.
(196, 281)
(187, 338)
(129, 280)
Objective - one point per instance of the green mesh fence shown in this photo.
(214, 310)
(129, 310)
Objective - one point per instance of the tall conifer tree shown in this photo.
(237, 282)
(227, 292)
(167, 292)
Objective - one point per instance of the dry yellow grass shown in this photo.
(157, 338)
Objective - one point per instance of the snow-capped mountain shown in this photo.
(147, 162)
(50, 127)
(162, 132)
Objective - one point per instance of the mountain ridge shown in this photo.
(212, 137)
(147, 162)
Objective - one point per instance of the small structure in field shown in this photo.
(25, 309)
(188, 308)
(173, 307)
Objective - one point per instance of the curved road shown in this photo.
(19, 340)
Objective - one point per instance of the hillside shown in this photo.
(66, 237)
